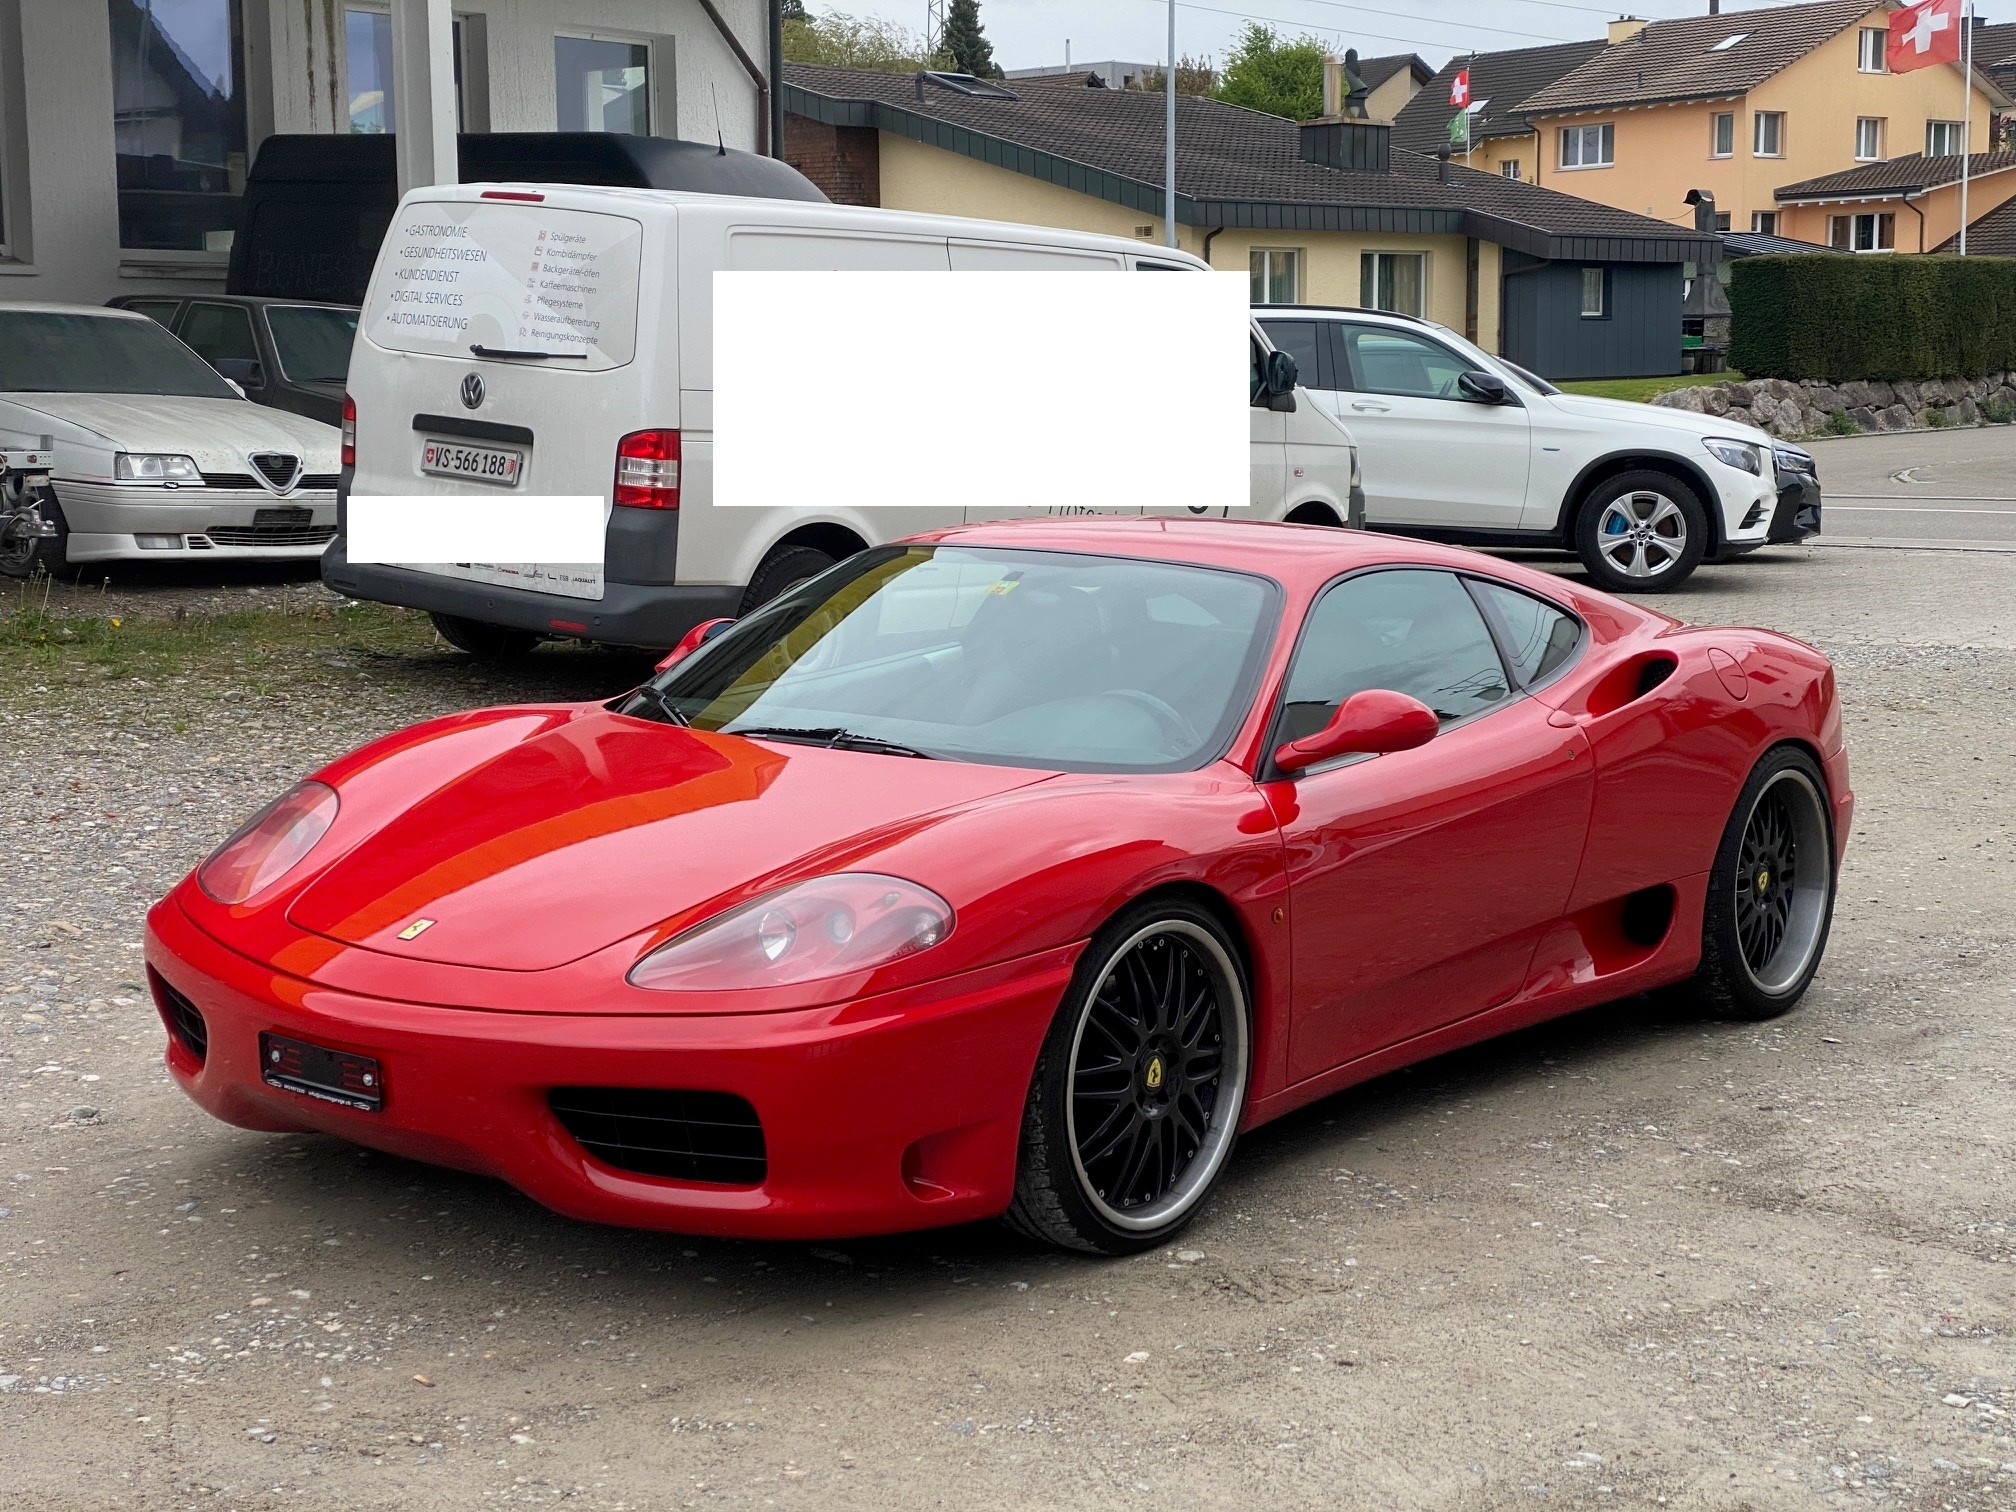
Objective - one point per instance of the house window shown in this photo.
(1765, 221)
(1509, 168)
(1588, 146)
(602, 84)
(1393, 281)
(1277, 275)
(1943, 138)
(1722, 220)
(1595, 293)
(1722, 134)
(178, 122)
(1767, 137)
(367, 68)
(1871, 44)
(1868, 138)
(1862, 233)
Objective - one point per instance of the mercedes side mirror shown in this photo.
(246, 372)
(692, 641)
(1373, 722)
(1278, 376)
(1485, 388)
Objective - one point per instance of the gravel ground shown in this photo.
(1625, 1260)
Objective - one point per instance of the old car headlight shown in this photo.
(271, 844)
(1736, 453)
(154, 467)
(828, 927)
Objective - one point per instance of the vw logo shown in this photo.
(472, 391)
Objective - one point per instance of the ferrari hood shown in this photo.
(605, 826)
(218, 433)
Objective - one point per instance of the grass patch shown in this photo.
(251, 643)
(1643, 390)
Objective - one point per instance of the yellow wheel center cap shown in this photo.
(1153, 1076)
(1763, 880)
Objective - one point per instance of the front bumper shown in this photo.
(1797, 515)
(1746, 501)
(894, 1113)
(107, 522)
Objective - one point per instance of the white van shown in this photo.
(601, 381)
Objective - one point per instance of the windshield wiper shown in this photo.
(486, 351)
(834, 737)
(658, 700)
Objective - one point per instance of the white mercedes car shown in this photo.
(157, 457)
(1460, 446)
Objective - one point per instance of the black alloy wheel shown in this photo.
(1771, 893)
(1137, 1096)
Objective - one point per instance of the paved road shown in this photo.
(1955, 489)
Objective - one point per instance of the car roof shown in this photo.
(1305, 555)
(1328, 312)
(248, 300)
(41, 307)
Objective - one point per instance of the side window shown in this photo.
(1298, 338)
(1539, 638)
(162, 310)
(216, 332)
(1386, 361)
(1413, 631)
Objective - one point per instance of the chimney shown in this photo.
(1703, 202)
(1333, 85)
(1353, 145)
(1624, 28)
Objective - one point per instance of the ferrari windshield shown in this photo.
(1016, 658)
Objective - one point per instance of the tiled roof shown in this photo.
(1995, 56)
(1896, 177)
(1500, 79)
(1990, 235)
(1235, 167)
(1678, 60)
(1376, 71)
(1761, 243)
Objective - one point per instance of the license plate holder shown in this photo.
(335, 1076)
(498, 465)
(283, 516)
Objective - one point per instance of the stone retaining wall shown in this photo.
(1809, 408)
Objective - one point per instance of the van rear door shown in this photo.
(515, 363)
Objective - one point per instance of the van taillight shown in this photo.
(349, 431)
(647, 470)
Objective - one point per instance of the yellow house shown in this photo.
(1500, 138)
(1326, 212)
(1908, 204)
(1742, 103)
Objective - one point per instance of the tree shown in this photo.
(1272, 73)
(1194, 76)
(793, 10)
(835, 40)
(971, 52)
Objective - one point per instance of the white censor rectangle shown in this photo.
(412, 529)
(982, 390)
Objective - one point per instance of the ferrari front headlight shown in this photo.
(271, 844)
(828, 927)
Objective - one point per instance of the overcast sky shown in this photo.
(1032, 33)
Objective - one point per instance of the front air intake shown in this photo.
(184, 1019)
(685, 1136)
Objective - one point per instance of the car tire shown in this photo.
(1150, 1047)
(485, 642)
(21, 557)
(1770, 893)
(781, 571)
(1641, 532)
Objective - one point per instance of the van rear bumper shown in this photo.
(654, 616)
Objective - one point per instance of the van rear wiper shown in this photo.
(485, 351)
(833, 736)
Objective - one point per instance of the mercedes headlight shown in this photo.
(1736, 453)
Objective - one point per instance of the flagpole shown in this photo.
(1169, 139)
(1966, 112)
(1468, 142)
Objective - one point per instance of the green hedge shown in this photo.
(1844, 317)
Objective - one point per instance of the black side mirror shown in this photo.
(1279, 375)
(1485, 388)
(246, 372)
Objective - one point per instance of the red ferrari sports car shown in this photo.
(1011, 870)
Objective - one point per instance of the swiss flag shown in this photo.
(1459, 87)
(1922, 35)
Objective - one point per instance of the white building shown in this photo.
(126, 126)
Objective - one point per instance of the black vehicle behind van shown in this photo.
(316, 207)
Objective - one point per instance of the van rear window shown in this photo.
(455, 275)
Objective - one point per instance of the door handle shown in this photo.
(1366, 408)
